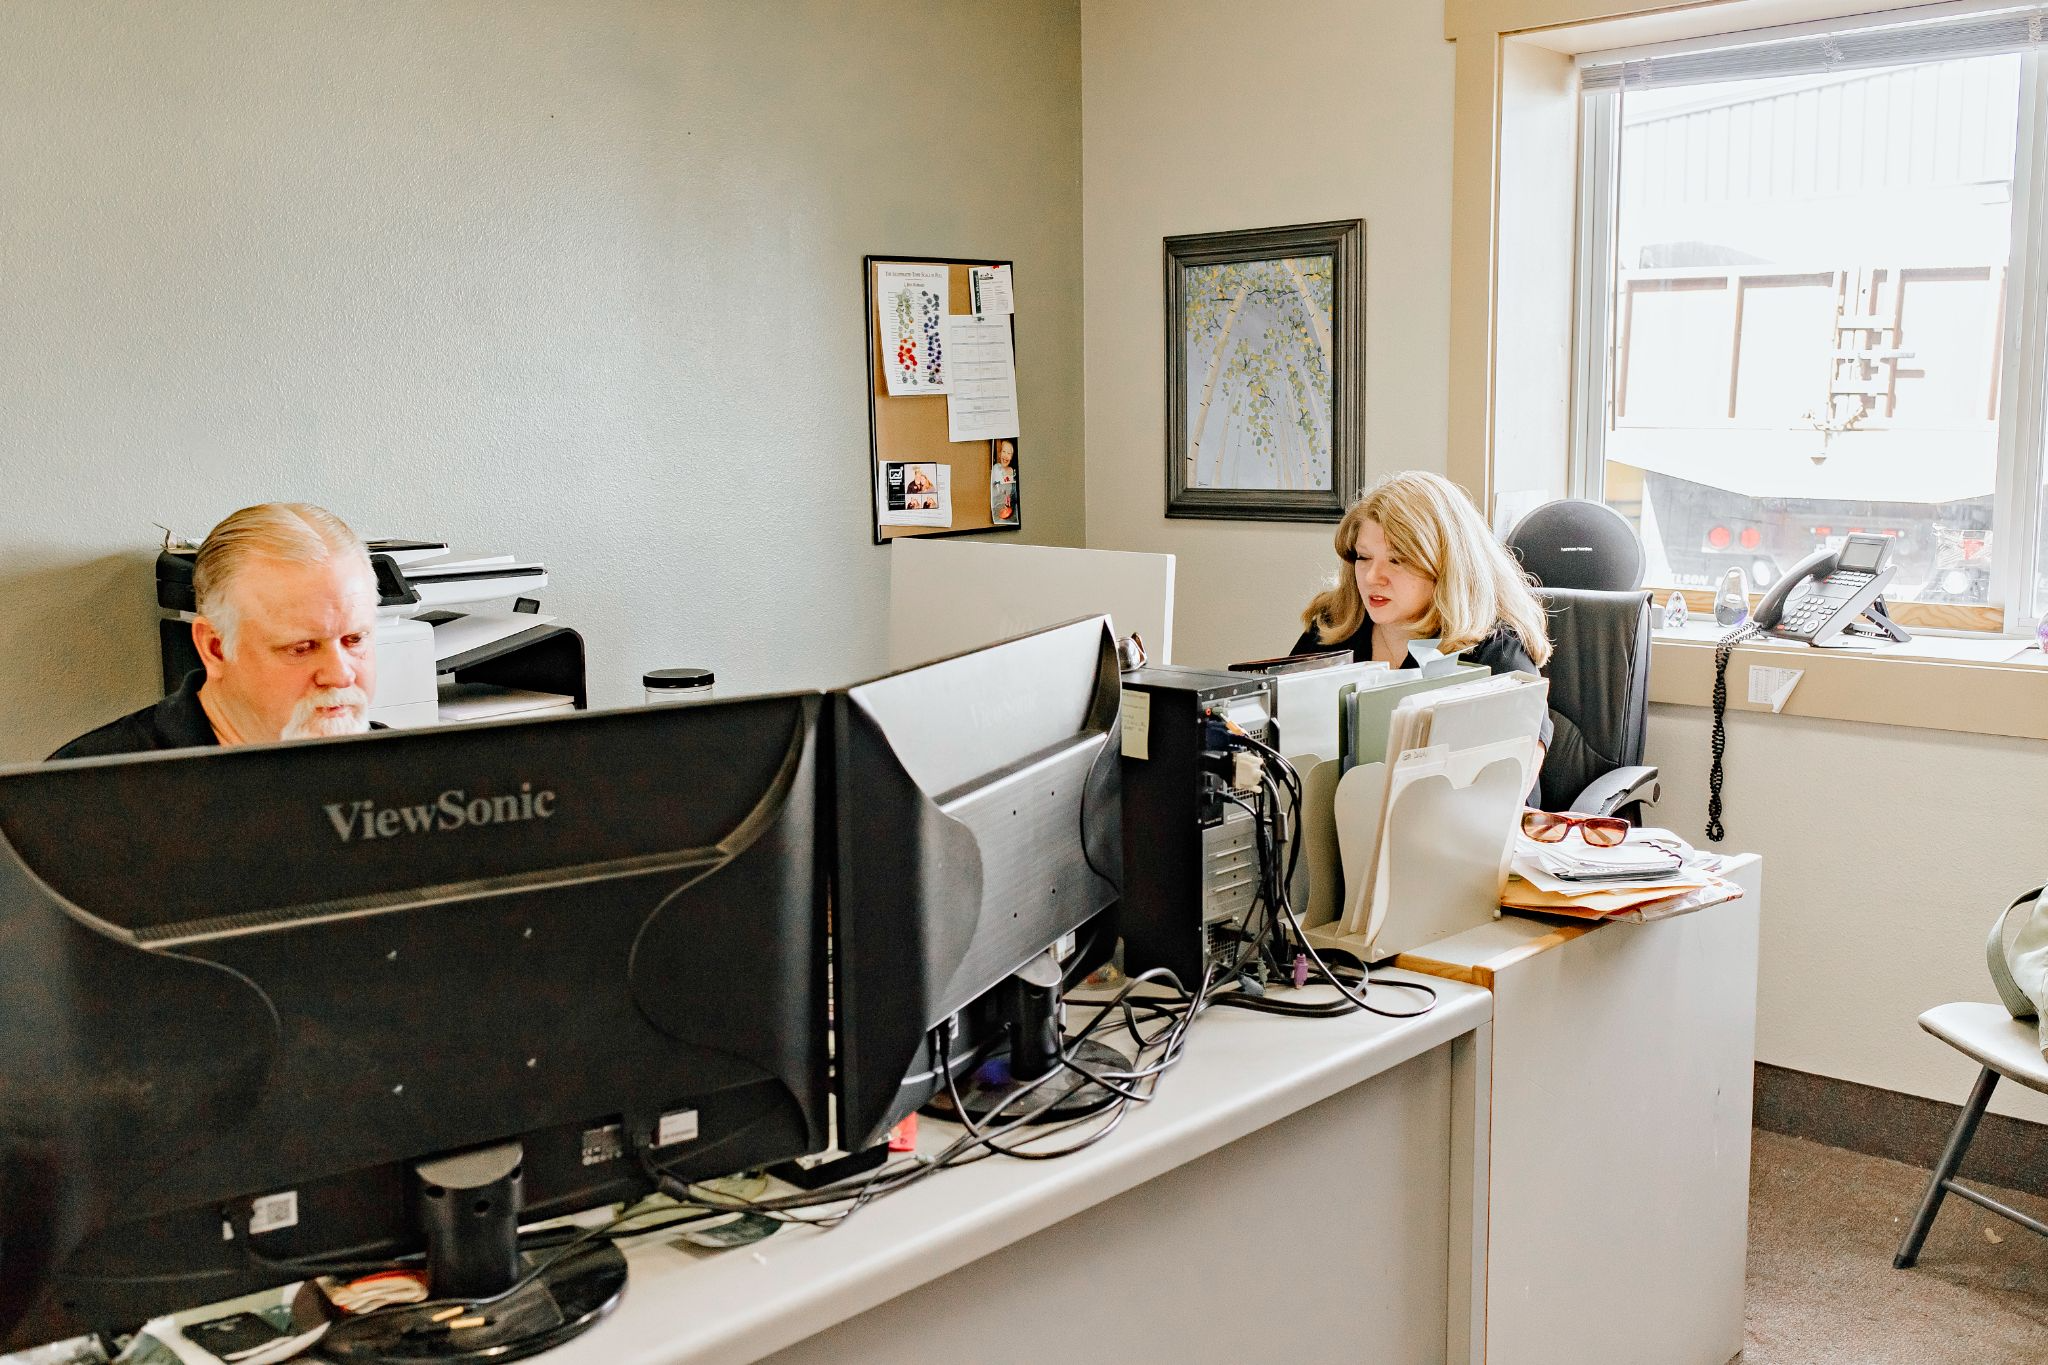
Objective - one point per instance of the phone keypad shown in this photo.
(1805, 617)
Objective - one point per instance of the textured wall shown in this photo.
(575, 281)
(1205, 115)
(1887, 852)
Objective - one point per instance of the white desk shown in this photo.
(1618, 1190)
(1299, 1186)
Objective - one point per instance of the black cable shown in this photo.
(898, 1175)
(1746, 631)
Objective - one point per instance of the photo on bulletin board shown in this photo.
(1003, 508)
(942, 396)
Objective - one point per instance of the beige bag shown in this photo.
(2017, 955)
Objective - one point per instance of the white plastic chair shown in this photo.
(2005, 1041)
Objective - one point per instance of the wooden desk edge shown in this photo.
(1480, 974)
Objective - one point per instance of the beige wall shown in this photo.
(1204, 115)
(579, 282)
(1887, 850)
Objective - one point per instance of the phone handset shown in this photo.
(1770, 610)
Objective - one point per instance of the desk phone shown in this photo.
(1827, 590)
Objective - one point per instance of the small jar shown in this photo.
(677, 684)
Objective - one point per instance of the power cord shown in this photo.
(1280, 939)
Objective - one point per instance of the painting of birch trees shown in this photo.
(1265, 372)
(1258, 362)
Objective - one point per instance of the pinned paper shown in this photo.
(1137, 713)
(1773, 686)
(916, 493)
(981, 399)
(988, 289)
(911, 310)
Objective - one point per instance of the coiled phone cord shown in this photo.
(1747, 630)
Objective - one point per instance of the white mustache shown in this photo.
(308, 723)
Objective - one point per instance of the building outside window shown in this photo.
(1809, 304)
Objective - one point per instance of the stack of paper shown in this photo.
(1577, 862)
(1653, 874)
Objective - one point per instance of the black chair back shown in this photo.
(1599, 673)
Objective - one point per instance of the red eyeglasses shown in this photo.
(1550, 827)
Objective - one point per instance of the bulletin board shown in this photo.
(912, 431)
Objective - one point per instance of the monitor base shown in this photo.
(984, 1092)
(566, 1300)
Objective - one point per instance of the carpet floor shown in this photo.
(1823, 1226)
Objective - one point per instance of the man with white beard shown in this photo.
(287, 613)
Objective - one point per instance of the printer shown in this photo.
(419, 636)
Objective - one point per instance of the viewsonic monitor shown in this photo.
(979, 824)
(249, 995)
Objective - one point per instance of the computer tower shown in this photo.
(1190, 854)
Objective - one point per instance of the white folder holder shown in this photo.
(1425, 840)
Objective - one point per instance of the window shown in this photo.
(1810, 304)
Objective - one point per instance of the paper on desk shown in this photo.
(1773, 686)
(981, 397)
(1619, 905)
(1685, 879)
(1529, 865)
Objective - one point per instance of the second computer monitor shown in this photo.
(979, 823)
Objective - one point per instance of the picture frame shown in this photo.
(1265, 372)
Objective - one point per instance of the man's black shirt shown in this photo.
(176, 722)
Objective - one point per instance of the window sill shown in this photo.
(1927, 683)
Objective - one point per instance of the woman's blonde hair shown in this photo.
(1431, 525)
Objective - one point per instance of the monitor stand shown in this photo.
(469, 1208)
(1029, 1003)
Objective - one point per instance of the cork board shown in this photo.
(913, 427)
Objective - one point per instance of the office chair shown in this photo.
(1572, 543)
(1599, 673)
(1999, 1040)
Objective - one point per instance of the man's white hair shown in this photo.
(297, 532)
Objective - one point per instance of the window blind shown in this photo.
(1873, 41)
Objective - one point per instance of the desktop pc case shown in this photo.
(242, 991)
(1190, 855)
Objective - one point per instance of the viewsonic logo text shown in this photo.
(452, 810)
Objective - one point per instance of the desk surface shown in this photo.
(1477, 954)
(1241, 1072)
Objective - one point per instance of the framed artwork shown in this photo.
(1265, 372)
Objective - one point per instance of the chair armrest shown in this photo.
(1613, 790)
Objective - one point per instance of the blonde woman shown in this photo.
(1420, 564)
